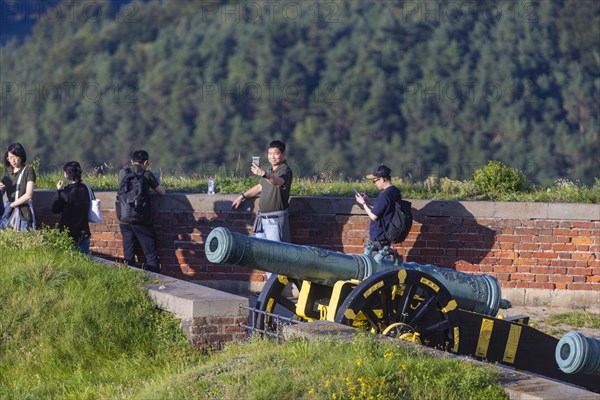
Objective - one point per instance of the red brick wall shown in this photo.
(524, 245)
(212, 333)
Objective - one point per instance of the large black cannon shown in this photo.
(437, 307)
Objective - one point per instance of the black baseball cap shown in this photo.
(380, 171)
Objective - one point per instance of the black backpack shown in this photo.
(399, 227)
(133, 199)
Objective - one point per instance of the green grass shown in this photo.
(71, 328)
(563, 191)
(575, 320)
(559, 324)
(299, 369)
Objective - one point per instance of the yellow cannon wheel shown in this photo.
(403, 303)
(275, 298)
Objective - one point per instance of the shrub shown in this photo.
(433, 188)
(496, 179)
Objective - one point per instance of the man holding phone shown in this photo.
(382, 210)
(272, 221)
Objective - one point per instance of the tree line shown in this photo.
(428, 87)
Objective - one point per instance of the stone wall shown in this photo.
(527, 246)
(209, 318)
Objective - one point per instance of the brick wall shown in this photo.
(524, 245)
(212, 333)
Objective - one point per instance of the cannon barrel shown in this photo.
(477, 293)
(578, 353)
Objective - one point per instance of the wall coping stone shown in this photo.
(346, 205)
(191, 300)
(577, 300)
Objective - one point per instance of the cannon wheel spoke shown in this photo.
(273, 299)
(409, 293)
(372, 319)
(287, 303)
(408, 297)
(423, 310)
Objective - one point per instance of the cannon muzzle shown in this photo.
(578, 353)
(477, 293)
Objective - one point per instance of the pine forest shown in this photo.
(426, 87)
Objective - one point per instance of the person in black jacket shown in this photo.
(73, 204)
(382, 210)
(140, 234)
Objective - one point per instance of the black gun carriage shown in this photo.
(437, 307)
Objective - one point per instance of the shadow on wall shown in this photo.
(326, 222)
(314, 221)
(182, 248)
(182, 251)
(450, 237)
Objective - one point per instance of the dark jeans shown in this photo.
(84, 246)
(140, 236)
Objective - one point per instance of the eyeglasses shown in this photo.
(375, 180)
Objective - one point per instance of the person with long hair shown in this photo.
(18, 182)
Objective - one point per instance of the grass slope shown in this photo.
(299, 369)
(71, 328)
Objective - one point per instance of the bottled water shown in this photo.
(211, 186)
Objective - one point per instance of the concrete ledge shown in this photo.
(517, 385)
(347, 205)
(587, 300)
(209, 318)
(568, 211)
(522, 386)
(190, 300)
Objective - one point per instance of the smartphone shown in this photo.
(356, 191)
(256, 161)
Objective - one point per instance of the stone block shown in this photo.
(538, 297)
(520, 210)
(584, 212)
(190, 300)
(587, 300)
